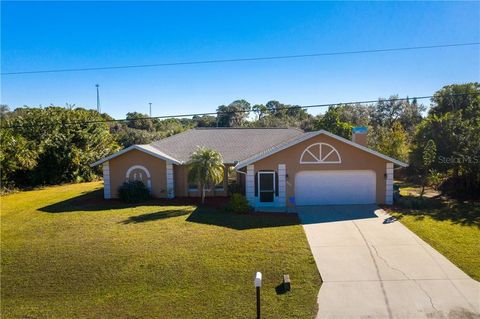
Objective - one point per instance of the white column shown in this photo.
(389, 184)
(282, 185)
(170, 184)
(106, 180)
(250, 185)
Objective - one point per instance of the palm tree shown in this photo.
(205, 168)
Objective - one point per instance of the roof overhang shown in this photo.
(142, 148)
(307, 136)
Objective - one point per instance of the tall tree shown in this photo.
(355, 114)
(281, 110)
(204, 121)
(168, 127)
(16, 154)
(411, 115)
(206, 169)
(233, 115)
(331, 122)
(453, 124)
(387, 111)
(127, 136)
(276, 114)
(140, 121)
(4, 110)
(260, 111)
(391, 141)
(455, 98)
(63, 143)
(428, 158)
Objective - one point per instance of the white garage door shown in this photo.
(335, 187)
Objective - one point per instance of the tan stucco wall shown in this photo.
(156, 166)
(352, 159)
(180, 173)
(360, 138)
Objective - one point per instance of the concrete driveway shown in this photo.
(374, 267)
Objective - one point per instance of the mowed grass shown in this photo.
(450, 227)
(66, 253)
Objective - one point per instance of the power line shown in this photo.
(240, 111)
(278, 57)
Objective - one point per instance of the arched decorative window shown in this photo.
(320, 153)
(139, 173)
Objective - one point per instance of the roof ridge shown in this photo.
(233, 143)
(169, 137)
(289, 140)
(247, 128)
(222, 128)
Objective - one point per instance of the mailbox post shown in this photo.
(258, 284)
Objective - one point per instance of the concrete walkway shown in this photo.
(374, 267)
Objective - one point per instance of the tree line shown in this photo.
(38, 148)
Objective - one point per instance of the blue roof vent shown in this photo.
(359, 130)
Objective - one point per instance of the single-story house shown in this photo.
(276, 168)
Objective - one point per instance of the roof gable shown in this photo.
(142, 148)
(307, 136)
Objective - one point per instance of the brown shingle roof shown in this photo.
(235, 144)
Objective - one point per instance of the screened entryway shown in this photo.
(266, 187)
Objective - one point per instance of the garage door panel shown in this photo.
(335, 187)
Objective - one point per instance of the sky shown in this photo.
(56, 35)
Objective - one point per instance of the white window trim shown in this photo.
(320, 160)
(389, 184)
(143, 168)
(250, 185)
(170, 180)
(282, 184)
(106, 180)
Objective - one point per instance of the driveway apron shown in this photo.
(374, 267)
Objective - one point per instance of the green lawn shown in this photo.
(67, 253)
(453, 228)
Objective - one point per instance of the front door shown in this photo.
(266, 186)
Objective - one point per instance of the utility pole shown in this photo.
(150, 113)
(98, 99)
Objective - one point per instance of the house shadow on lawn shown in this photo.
(217, 217)
(203, 215)
(210, 214)
(463, 213)
(335, 213)
(94, 201)
(150, 217)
